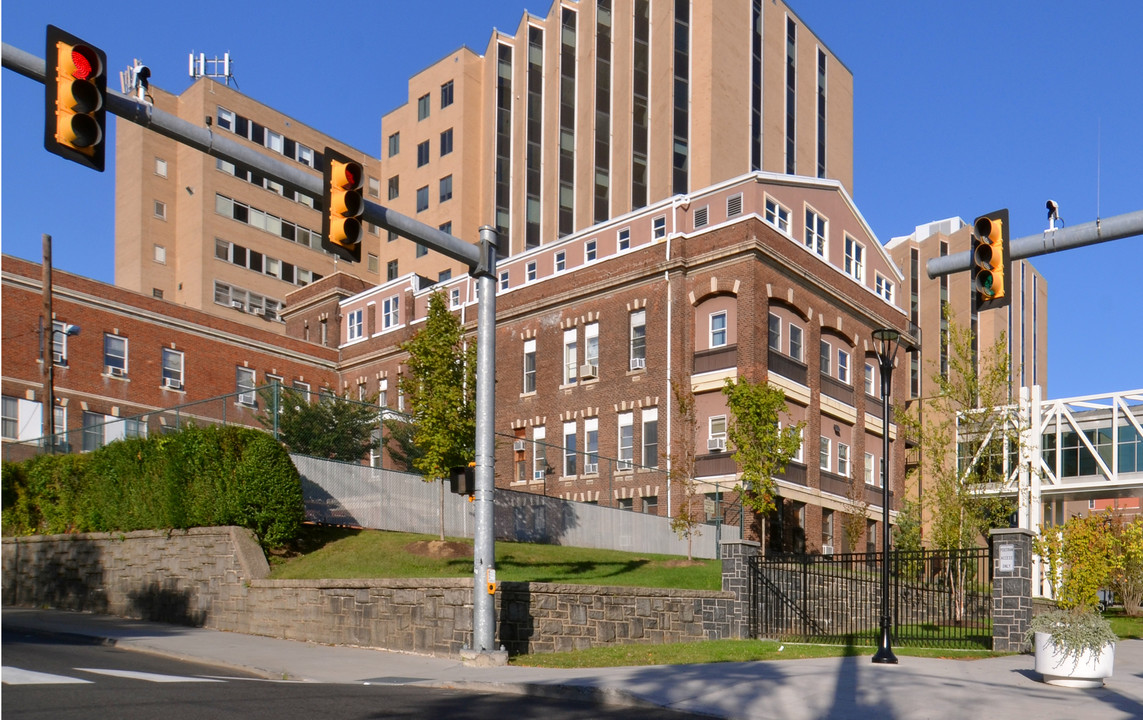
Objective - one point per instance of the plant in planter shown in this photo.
(1074, 645)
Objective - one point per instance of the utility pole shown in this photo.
(47, 341)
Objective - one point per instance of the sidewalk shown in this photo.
(837, 688)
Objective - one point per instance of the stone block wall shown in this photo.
(216, 578)
(1011, 588)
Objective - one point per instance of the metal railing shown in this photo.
(940, 599)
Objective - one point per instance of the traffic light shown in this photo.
(343, 203)
(991, 261)
(462, 480)
(75, 91)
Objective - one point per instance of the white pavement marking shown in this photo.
(149, 677)
(20, 676)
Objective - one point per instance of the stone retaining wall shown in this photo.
(216, 577)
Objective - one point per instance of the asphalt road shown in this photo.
(64, 678)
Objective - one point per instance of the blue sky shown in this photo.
(960, 109)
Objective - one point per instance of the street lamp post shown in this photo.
(887, 342)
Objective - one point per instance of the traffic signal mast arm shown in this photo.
(1050, 241)
(219, 146)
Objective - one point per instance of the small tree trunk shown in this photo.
(442, 509)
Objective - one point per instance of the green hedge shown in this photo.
(197, 477)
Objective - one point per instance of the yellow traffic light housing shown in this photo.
(343, 206)
(75, 91)
(991, 261)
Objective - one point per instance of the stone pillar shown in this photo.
(736, 556)
(1011, 588)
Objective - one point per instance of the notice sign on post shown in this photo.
(1007, 557)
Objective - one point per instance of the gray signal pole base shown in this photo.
(476, 658)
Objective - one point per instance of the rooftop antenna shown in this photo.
(218, 68)
(136, 81)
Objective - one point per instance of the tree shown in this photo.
(440, 395)
(762, 447)
(972, 397)
(1127, 570)
(690, 514)
(332, 428)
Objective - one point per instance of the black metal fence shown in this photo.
(939, 599)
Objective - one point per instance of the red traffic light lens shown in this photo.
(85, 62)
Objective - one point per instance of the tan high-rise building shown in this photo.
(599, 109)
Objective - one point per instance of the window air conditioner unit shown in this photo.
(716, 444)
(537, 474)
(624, 465)
(258, 311)
(519, 445)
(827, 549)
(237, 304)
(114, 371)
(638, 363)
(172, 383)
(591, 468)
(589, 372)
(58, 359)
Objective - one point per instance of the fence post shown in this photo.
(736, 555)
(1011, 588)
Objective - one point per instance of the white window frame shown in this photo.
(530, 271)
(884, 287)
(246, 397)
(871, 476)
(825, 358)
(816, 233)
(391, 312)
(648, 416)
(529, 375)
(659, 227)
(626, 442)
(623, 239)
(716, 331)
(355, 325)
(571, 356)
(825, 454)
(561, 261)
(107, 355)
(777, 215)
(591, 446)
(591, 344)
(774, 332)
(590, 250)
(854, 259)
(801, 345)
(870, 380)
(569, 458)
(716, 429)
(843, 366)
(638, 338)
(843, 467)
(539, 453)
(173, 378)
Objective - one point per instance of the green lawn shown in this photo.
(346, 553)
(1127, 628)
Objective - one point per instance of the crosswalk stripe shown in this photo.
(20, 676)
(149, 677)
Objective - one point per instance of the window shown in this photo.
(423, 106)
(93, 429)
(11, 418)
(591, 344)
(870, 476)
(446, 188)
(827, 531)
(374, 187)
(571, 356)
(539, 453)
(854, 259)
(160, 210)
(638, 339)
(59, 342)
(826, 351)
(423, 198)
(626, 440)
(659, 227)
(561, 261)
(589, 250)
(569, 449)
(394, 187)
(627, 504)
(160, 167)
(391, 270)
(445, 227)
(226, 119)
(796, 342)
(884, 287)
(651, 505)
(591, 446)
(843, 459)
(172, 369)
(869, 380)
(775, 332)
(651, 437)
(423, 154)
(777, 216)
(504, 279)
(718, 329)
(160, 254)
(355, 324)
(530, 271)
(446, 142)
(446, 94)
(391, 312)
(244, 386)
(815, 232)
(716, 438)
(374, 263)
(529, 366)
(114, 355)
(824, 454)
(454, 297)
(843, 366)
(625, 238)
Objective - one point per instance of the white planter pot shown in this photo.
(1084, 671)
